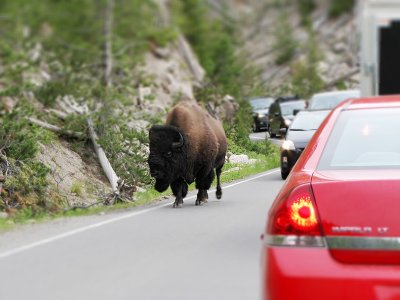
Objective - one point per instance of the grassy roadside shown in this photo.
(231, 172)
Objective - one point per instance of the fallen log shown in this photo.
(56, 129)
(104, 162)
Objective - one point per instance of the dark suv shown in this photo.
(260, 108)
(281, 114)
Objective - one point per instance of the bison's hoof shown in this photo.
(219, 193)
(177, 205)
(201, 201)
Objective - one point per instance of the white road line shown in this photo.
(110, 221)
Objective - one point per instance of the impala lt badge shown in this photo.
(359, 229)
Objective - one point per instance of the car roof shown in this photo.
(311, 112)
(372, 102)
(337, 92)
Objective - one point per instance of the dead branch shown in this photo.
(69, 105)
(346, 76)
(194, 66)
(56, 129)
(60, 114)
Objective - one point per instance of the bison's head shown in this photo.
(167, 160)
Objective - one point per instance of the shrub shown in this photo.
(339, 7)
(306, 7)
(285, 43)
(306, 80)
(77, 188)
(26, 182)
(124, 147)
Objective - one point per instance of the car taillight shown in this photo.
(293, 220)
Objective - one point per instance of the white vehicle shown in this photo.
(379, 23)
(328, 100)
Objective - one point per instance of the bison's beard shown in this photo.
(161, 186)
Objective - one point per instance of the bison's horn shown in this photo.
(180, 143)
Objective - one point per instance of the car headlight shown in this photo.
(288, 122)
(288, 145)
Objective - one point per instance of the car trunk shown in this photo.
(360, 213)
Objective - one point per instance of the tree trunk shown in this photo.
(107, 51)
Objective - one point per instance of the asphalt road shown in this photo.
(207, 252)
(261, 136)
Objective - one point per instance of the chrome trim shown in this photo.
(366, 243)
(294, 240)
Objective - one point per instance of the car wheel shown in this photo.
(271, 135)
(255, 128)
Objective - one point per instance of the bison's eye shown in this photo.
(168, 154)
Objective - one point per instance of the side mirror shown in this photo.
(295, 111)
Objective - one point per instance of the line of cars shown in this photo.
(295, 119)
(275, 115)
(306, 123)
(333, 231)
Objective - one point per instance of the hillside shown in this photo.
(79, 76)
(301, 46)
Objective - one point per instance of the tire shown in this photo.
(255, 128)
(271, 135)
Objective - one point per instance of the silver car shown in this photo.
(329, 100)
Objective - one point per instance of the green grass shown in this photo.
(150, 196)
(77, 188)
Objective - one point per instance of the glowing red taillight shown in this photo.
(294, 214)
(302, 213)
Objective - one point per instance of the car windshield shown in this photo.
(364, 139)
(329, 101)
(288, 107)
(308, 121)
(262, 103)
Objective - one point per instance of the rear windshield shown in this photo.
(364, 139)
(329, 101)
(262, 103)
(308, 121)
(289, 107)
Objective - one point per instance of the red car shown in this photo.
(333, 231)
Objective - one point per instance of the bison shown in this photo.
(187, 148)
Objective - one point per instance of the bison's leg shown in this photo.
(203, 184)
(179, 189)
(219, 190)
(202, 197)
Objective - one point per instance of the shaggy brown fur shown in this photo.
(203, 149)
